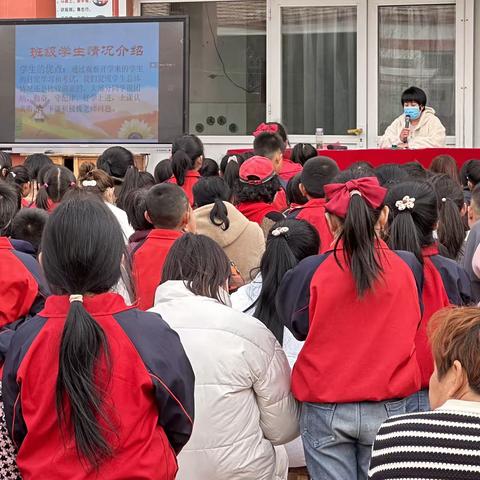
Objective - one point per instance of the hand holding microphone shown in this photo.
(405, 133)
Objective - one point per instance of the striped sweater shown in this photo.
(439, 445)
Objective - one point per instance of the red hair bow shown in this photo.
(265, 128)
(339, 194)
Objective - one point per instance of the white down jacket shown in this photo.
(243, 404)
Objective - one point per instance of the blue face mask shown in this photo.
(412, 112)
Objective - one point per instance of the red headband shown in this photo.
(339, 194)
(266, 128)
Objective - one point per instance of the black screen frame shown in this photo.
(184, 20)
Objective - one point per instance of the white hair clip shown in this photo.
(232, 158)
(405, 202)
(355, 192)
(280, 231)
(444, 199)
(89, 183)
(13, 174)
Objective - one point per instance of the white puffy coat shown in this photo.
(243, 404)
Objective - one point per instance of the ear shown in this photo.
(278, 161)
(458, 382)
(189, 223)
(333, 224)
(383, 218)
(470, 185)
(147, 217)
(463, 211)
(199, 162)
(301, 187)
(470, 212)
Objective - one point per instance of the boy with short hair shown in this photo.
(271, 146)
(317, 172)
(168, 210)
(26, 230)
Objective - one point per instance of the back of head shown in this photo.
(166, 205)
(226, 159)
(135, 208)
(115, 161)
(357, 203)
(28, 225)
(5, 163)
(391, 174)
(445, 164)
(463, 173)
(186, 150)
(451, 229)
(294, 195)
(163, 171)
(475, 200)
(364, 169)
(213, 190)
(268, 144)
(413, 216)
(82, 249)
(302, 152)
(318, 172)
(94, 180)
(414, 94)
(201, 264)
(472, 172)
(415, 171)
(18, 175)
(10, 202)
(209, 168)
(272, 127)
(34, 163)
(288, 242)
(134, 179)
(56, 182)
(232, 169)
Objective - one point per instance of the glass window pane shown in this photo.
(227, 63)
(417, 47)
(319, 69)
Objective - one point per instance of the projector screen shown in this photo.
(93, 81)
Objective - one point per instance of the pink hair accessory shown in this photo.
(73, 184)
(45, 185)
(266, 128)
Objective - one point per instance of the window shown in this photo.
(416, 47)
(319, 69)
(227, 63)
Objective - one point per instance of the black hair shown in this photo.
(302, 152)
(365, 169)
(445, 164)
(214, 190)
(267, 144)
(186, 150)
(135, 208)
(163, 171)
(414, 94)
(412, 228)
(282, 253)
(281, 130)
(116, 161)
(232, 170)
(35, 162)
(56, 182)
(82, 249)
(415, 171)
(293, 193)
(5, 163)
(318, 172)
(28, 225)
(166, 205)
(265, 192)
(10, 203)
(226, 159)
(209, 168)
(200, 263)
(451, 229)
(390, 174)
(472, 172)
(18, 175)
(359, 237)
(134, 179)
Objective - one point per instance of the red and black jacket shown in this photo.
(314, 213)
(446, 283)
(148, 258)
(356, 349)
(150, 394)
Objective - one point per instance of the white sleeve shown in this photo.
(391, 135)
(435, 138)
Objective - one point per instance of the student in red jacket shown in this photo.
(255, 190)
(167, 209)
(187, 160)
(22, 289)
(317, 173)
(414, 216)
(92, 388)
(358, 308)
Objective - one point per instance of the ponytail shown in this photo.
(41, 200)
(219, 214)
(83, 343)
(232, 172)
(359, 237)
(451, 229)
(403, 235)
(56, 182)
(181, 164)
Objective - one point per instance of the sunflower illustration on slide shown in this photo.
(135, 130)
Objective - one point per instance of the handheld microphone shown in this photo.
(407, 121)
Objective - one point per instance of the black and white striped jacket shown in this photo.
(439, 445)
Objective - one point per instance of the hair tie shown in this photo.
(355, 192)
(232, 158)
(13, 174)
(76, 298)
(444, 199)
(280, 231)
(89, 183)
(73, 184)
(405, 202)
(45, 185)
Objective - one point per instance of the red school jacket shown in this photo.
(446, 283)
(257, 211)
(314, 213)
(191, 178)
(356, 349)
(289, 169)
(148, 259)
(150, 394)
